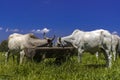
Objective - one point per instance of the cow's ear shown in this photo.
(33, 36)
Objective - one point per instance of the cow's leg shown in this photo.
(108, 58)
(115, 55)
(18, 58)
(7, 56)
(22, 53)
(80, 51)
(97, 55)
(13, 57)
(114, 51)
(43, 56)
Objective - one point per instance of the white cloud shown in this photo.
(44, 30)
(15, 30)
(33, 30)
(36, 31)
(7, 30)
(115, 32)
(1, 28)
(12, 30)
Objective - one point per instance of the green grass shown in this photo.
(89, 69)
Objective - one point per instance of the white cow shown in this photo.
(92, 41)
(115, 48)
(115, 45)
(21, 41)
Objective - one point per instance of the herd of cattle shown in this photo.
(95, 41)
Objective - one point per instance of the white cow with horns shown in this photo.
(21, 41)
(92, 41)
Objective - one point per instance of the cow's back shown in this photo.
(17, 41)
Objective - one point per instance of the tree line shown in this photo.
(4, 46)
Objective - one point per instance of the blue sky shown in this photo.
(61, 17)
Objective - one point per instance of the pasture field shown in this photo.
(89, 69)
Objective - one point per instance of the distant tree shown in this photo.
(4, 46)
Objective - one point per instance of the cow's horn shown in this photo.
(53, 38)
(44, 35)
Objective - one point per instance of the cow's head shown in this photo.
(49, 40)
(59, 43)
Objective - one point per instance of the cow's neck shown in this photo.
(38, 42)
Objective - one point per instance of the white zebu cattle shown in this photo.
(19, 42)
(115, 48)
(115, 45)
(93, 41)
